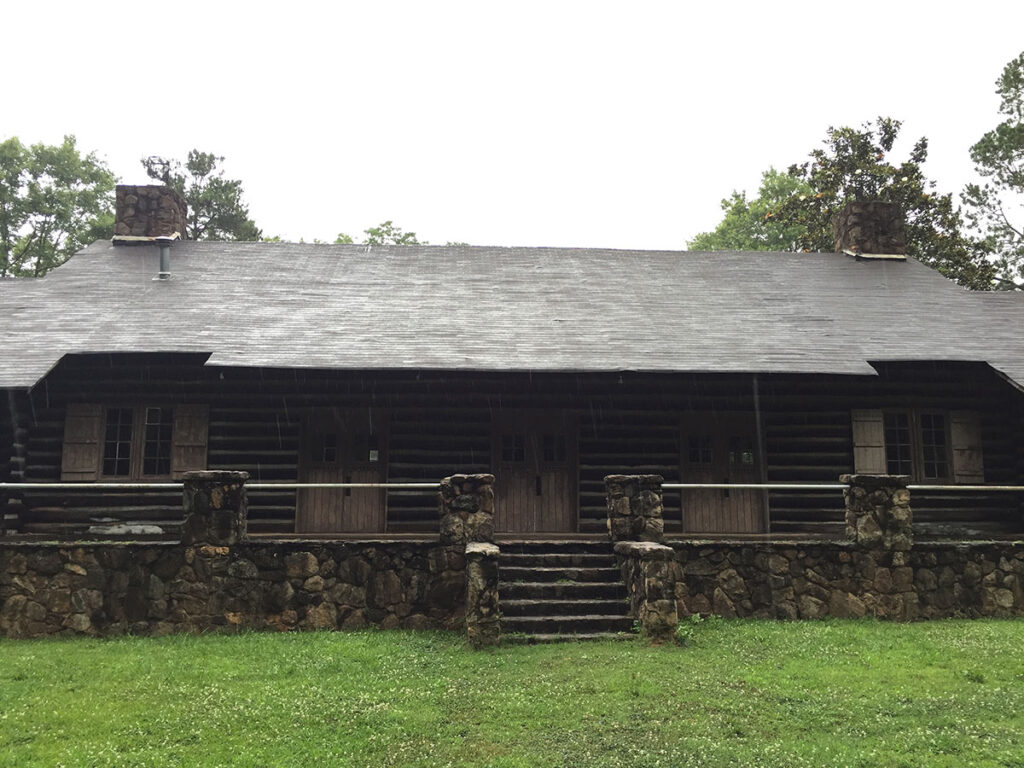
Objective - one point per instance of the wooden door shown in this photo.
(721, 448)
(535, 473)
(342, 448)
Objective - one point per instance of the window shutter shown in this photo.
(868, 443)
(188, 450)
(965, 438)
(83, 445)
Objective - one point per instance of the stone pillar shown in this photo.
(649, 572)
(635, 507)
(878, 515)
(483, 619)
(216, 511)
(467, 509)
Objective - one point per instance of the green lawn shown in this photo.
(741, 693)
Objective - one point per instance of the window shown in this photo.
(513, 448)
(700, 449)
(133, 443)
(929, 446)
(898, 449)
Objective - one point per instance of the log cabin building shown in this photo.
(550, 367)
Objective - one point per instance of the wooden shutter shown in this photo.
(83, 443)
(188, 446)
(965, 439)
(868, 443)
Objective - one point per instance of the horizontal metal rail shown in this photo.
(833, 487)
(429, 486)
(757, 486)
(179, 486)
(399, 486)
(93, 486)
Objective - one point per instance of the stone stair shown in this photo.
(561, 590)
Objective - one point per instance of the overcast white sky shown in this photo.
(521, 123)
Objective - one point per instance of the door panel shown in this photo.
(535, 472)
(721, 448)
(342, 448)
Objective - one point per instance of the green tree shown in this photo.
(996, 208)
(749, 225)
(53, 201)
(854, 165)
(386, 233)
(794, 211)
(215, 207)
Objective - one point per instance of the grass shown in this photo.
(739, 693)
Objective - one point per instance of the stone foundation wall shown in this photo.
(809, 581)
(154, 589)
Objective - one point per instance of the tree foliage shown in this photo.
(748, 224)
(386, 233)
(215, 207)
(53, 201)
(794, 211)
(854, 165)
(996, 208)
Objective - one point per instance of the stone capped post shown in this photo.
(216, 510)
(467, 509)
(878, 512)
(635, 507)
(649, 572)
(483, 619)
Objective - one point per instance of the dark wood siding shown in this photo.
(441, 423)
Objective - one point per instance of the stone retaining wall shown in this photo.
(110, 589)
(217, 578)
(808, 581)
(877, 571)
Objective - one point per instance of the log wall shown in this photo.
(440, 424)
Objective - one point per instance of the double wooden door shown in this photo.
(342, 447)
(535, 472)
(721, 448)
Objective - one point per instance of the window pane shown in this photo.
(933, 446)
(699, 449)
(117, 443)
(513, 448)
(897, 444)
(326, 449)
(156, 458)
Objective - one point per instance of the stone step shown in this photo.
(566, 625)
(557, 546)
(555, 559)
(553, 590)
(556, 607)
(525, 639)
(513, 574)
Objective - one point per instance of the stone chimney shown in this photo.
(144, 213)
(870, 230)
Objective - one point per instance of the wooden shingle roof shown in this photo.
(286, 305)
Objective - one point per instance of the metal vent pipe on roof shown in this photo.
(165, 258)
